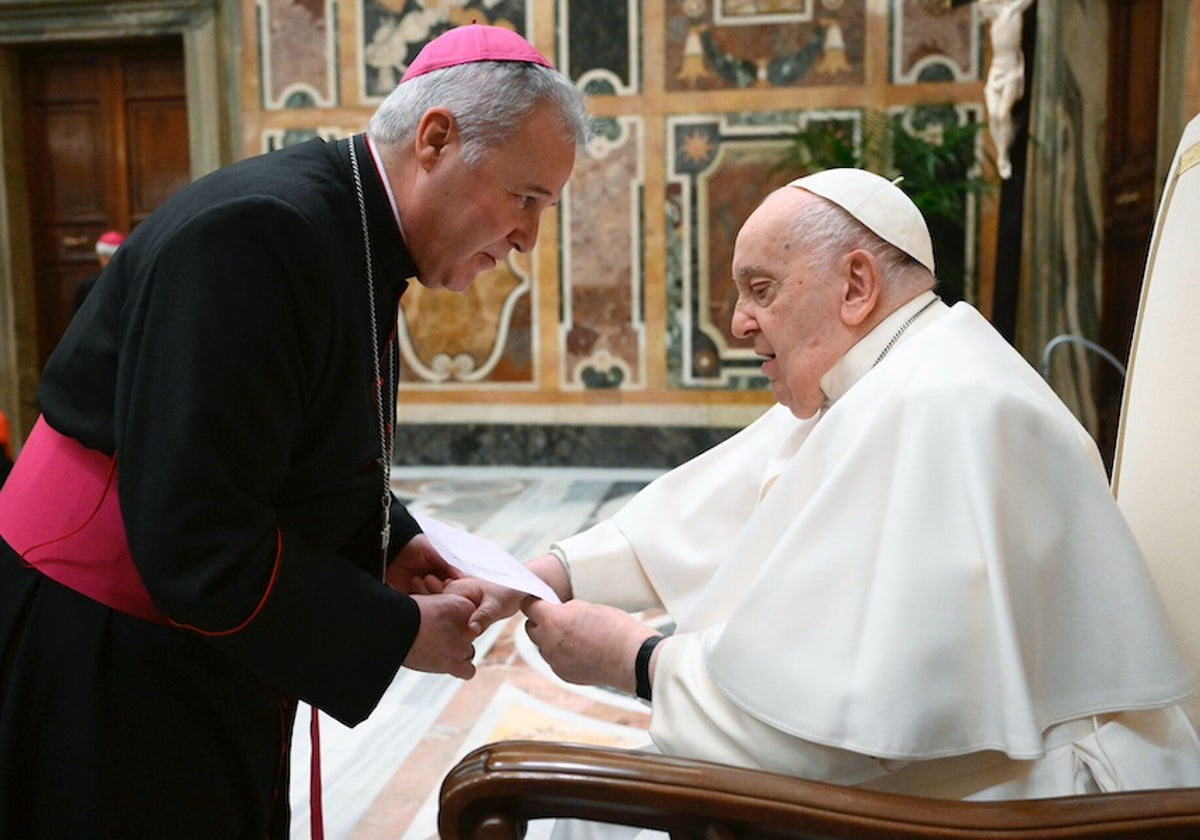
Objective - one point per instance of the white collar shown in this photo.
(387, 184)
(862, 356)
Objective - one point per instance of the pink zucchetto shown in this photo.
(474, 42)
(108, 242)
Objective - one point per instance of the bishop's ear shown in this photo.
(861, 291)
(435, 131)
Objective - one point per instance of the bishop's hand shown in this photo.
(444, 643)
(494, 601)
(418, 567)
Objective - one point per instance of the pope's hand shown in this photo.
(585, 643)
(444, 643)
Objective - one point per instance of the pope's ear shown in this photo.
(435, 131)
(861, 292)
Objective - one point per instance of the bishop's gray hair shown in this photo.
(828, 232)
(489, 99)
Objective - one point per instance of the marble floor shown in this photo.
(381, 778)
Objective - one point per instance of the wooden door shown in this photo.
(106, 142)
(1130, 191)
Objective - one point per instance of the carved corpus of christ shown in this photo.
(1006, 74)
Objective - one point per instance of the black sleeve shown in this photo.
(404, 528)
(212, 384)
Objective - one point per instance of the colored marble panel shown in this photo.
(733, 44)
(740, 12)
(393, 32)
(298, 53)
(600, 44)
(934, 46)
(483, 335)
(601, 265)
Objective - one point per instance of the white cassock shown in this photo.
(926, 588)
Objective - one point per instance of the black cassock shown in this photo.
(224, 360)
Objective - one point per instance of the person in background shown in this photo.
(199, 531)
(106, 245)
(908, 575)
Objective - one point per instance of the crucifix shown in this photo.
(1006, 74)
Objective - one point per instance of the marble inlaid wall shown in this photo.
(603, 332)
(621, 315)
(299, 58)
(741, 44)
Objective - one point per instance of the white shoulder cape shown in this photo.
(937, 566)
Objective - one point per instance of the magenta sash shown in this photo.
(59, 510)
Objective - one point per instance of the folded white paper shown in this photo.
(481, 558)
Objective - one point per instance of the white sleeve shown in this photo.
(693, 718)
(664, 545)
(604, 569)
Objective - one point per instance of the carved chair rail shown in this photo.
(494, 791)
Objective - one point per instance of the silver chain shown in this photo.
(386, 417)
(900, 331)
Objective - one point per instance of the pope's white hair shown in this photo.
(827, 232)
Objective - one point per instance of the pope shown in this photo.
(909, 574)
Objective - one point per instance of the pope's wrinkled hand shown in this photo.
(585, 643)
